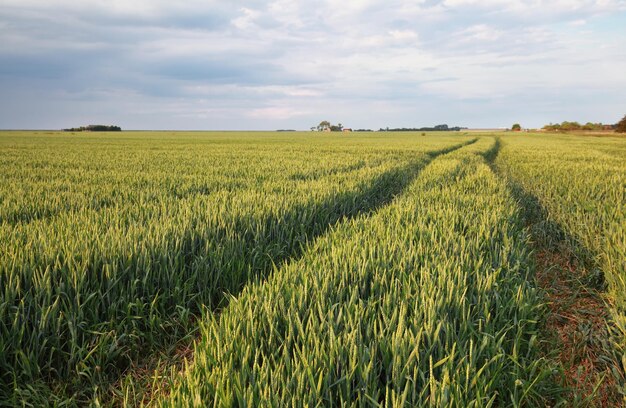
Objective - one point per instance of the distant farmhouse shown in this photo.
(326, 126)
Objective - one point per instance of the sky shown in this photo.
(265, 65)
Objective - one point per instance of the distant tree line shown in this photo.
(438, 128)
(95, 128)
(569, 126)
(326, 126)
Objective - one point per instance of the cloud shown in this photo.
(480, 32)
(276, 112)
(259, 64)
(580, 22)
(246, 20)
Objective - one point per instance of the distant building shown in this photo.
(347, 130)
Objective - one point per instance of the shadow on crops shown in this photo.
(577, 326)
(104, 323)
(547, 234)
(491, 154)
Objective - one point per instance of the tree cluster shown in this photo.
(570, 126)
(620, 127)
(326, 126)
(95, 128)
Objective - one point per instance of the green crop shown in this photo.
(580, 183)
(425, 303)
(367, 269)
(110, 244)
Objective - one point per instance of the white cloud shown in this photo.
(480, 32)
(403, 34)
(246, 20)
(547, 6)
(276, 113)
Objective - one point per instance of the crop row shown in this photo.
(426, 302)
(581, 184)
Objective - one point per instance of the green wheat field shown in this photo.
(288, 269)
